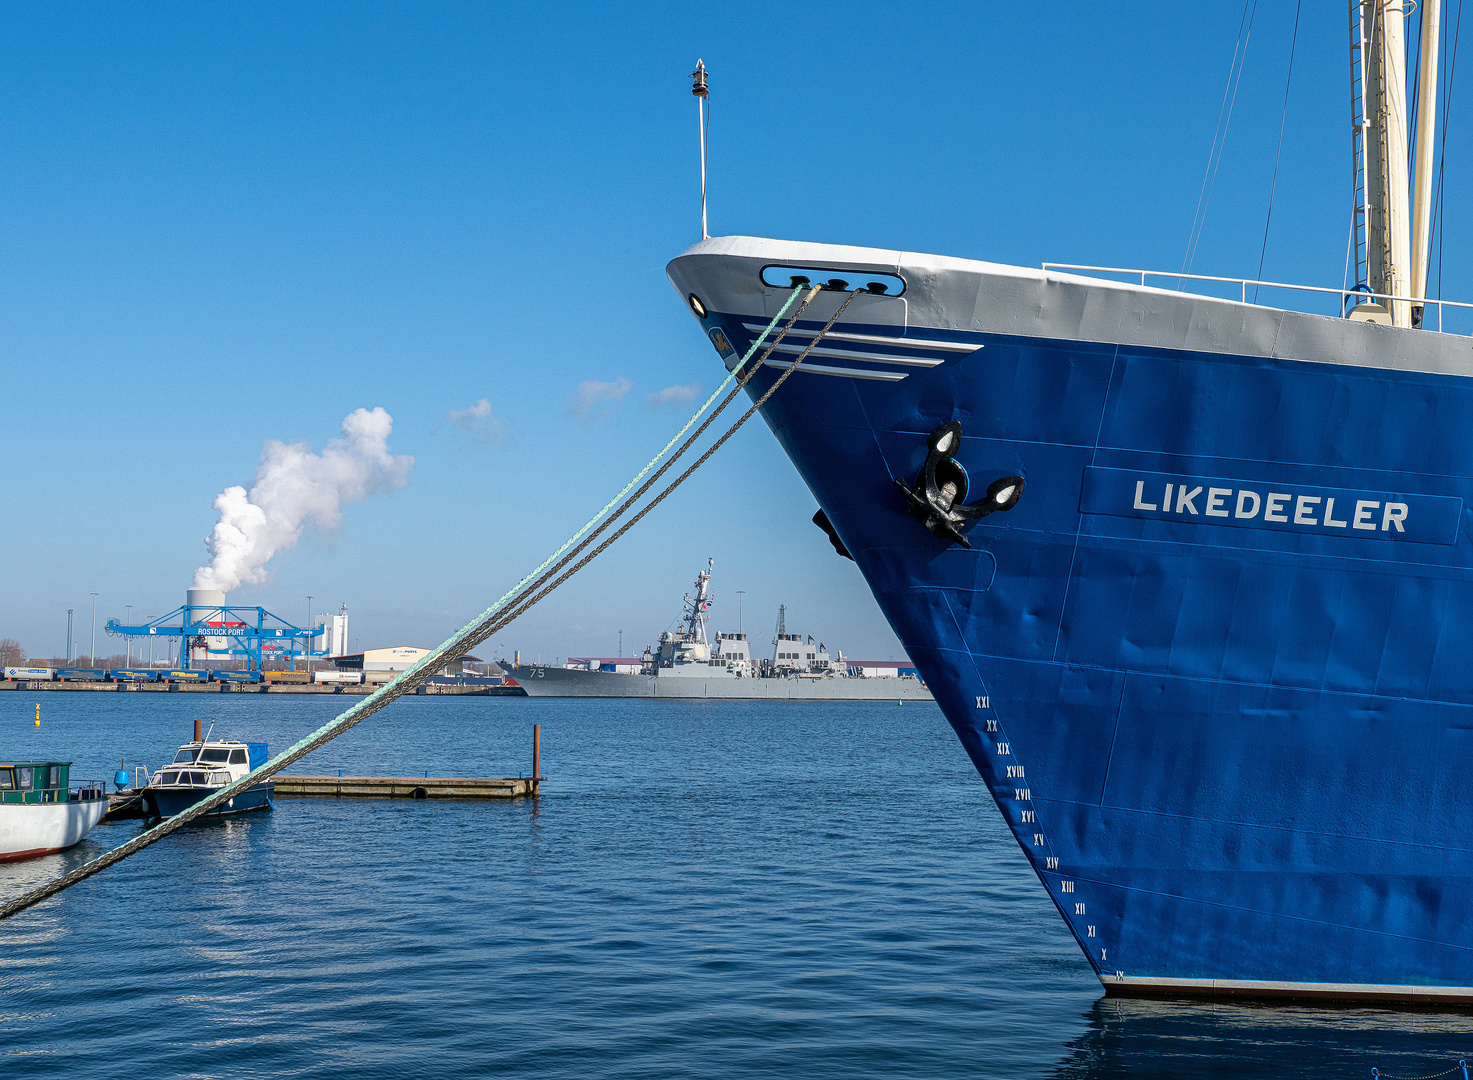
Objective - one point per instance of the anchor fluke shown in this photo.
(938, 496)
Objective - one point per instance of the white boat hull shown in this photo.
(29, 830)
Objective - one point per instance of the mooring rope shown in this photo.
(508, 618)
(797, 288)
(663, 469)
(1461, 1066)
(492, 620)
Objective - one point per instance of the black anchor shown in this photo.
(937, 496)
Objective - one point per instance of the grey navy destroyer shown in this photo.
(1190, 576)
(686, 663)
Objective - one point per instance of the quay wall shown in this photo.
(427, 690)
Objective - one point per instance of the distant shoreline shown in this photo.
(425, 690)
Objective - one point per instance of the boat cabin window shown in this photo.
(168, 778)
(23, 779)
(187, 753)
(237, 757)
(215, 753)
(7, 779)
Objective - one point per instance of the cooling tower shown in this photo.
(204, 598)
(206, 604)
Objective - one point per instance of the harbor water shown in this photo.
(738, 889)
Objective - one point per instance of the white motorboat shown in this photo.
(43, 811)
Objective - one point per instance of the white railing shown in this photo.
(1243, 283)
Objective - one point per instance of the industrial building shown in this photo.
(397, 658)
(880, 669)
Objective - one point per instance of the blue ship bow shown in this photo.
(1212, 664)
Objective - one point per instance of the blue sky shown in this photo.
(222, 224)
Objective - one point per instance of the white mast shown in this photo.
(1388, 239)
(700, 88)
(1426, 126)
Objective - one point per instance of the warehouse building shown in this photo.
(397, 658)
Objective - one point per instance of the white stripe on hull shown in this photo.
(1138, 986)
(965, 296)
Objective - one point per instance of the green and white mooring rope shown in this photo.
(494, 617)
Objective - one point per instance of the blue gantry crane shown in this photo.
(210, 633)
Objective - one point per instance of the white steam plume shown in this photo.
(294, 486)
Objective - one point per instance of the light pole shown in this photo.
(69, 655)
(309, 633)
(93, 658)
(621, 643)
(128, 641)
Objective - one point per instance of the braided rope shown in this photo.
(594, 535)
(501, 623)
(492, 620)
(1459, 1067)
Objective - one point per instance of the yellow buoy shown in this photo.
(38, 714)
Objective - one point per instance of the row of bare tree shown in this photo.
(12, 654)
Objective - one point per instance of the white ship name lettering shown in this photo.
(1428, 519)
(1276, 506)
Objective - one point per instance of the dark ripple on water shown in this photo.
(722, 890)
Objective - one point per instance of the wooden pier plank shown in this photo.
(403, 787)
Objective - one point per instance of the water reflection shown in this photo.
(1144, 1039)
(720, 891)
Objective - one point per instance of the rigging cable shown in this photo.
(1357, 55)
(519, 599)
(1438, 206)
(1219, 137)
(1274, 187)
(1414, 80)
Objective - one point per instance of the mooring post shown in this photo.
(536, 756)
(199, 730)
